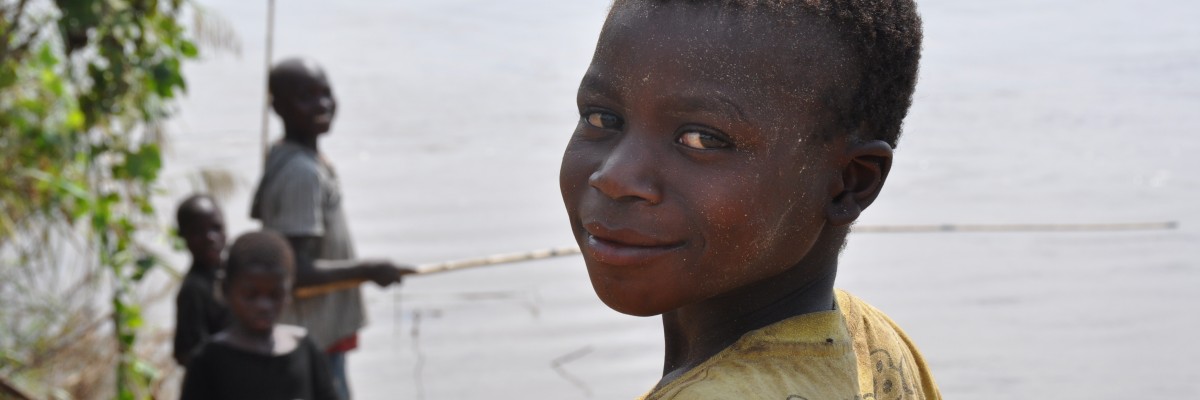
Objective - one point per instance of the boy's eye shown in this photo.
(603, 120)
(702, 141)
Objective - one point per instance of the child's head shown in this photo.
(722, 143)
(202, 227)
(258, 279)
(302, 96)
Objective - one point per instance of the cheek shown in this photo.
(280, 302)
(577, 166)
(194, 244)
(295, 109)
(238, 304)
(736, 230)
(759, 227)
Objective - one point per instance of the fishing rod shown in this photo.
(1130, 226)
(507, 258)
(427, 269)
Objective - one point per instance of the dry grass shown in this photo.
(65, 349)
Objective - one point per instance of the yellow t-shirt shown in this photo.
(852, 353)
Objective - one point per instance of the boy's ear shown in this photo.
(864, 169)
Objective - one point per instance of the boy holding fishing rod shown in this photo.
(724, 148)
(299, 196)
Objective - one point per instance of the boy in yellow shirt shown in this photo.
(723, 150)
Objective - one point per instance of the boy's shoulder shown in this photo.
(290, 164)
(289, 157)
(197, 284)
(888, 361)
(808, 356)
(205, 355)
(853, 352)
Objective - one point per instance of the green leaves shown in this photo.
(140, 165)
(143, 266)
(75, 105)
(188, 49)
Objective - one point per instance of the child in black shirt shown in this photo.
(198, 315)
(255, 358)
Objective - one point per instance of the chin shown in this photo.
(262, 327)
(634, 311)
(622, 299)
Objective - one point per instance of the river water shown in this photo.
(453, 115)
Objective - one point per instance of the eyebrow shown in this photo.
(597, 86)
(707, 102)
(691, 100)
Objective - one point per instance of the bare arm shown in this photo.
(310, 273)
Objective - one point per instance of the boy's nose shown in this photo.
(628, 172)
(264, 304)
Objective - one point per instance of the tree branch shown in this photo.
(7, 34)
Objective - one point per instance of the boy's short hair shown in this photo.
(262, 249)
(884, 37)
(279, 79)
(189, 209)
(275, 80)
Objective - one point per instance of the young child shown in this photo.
(723, 150)
(255, 358)
(198, 315)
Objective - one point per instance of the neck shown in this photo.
(200, 265)
(303, 139)
(697, 332)
(259, 341)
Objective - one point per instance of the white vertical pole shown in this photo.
(267, 88)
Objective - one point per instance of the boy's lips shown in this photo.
(265, 317)
(624, 247)
(211, 254)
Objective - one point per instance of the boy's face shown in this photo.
(257, 295)
(306, 103)
(205, 234)
(696, 168)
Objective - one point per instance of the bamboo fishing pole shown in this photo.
(1129, 226)
(448, 266)
(310, 291)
